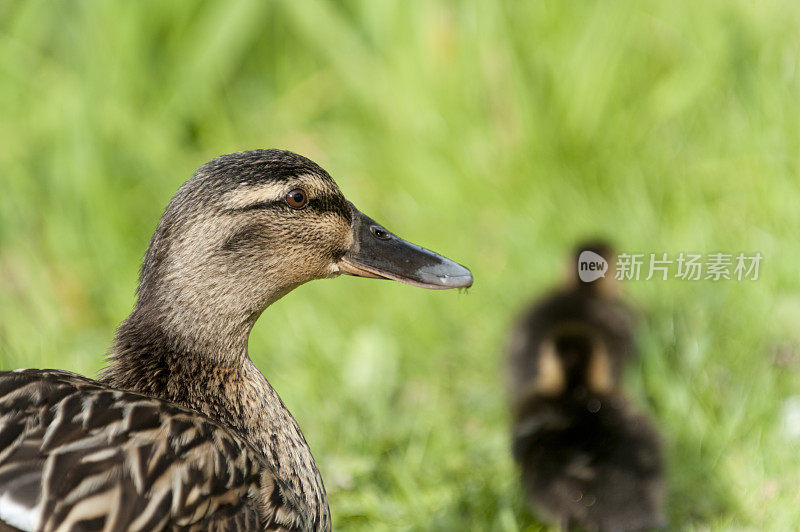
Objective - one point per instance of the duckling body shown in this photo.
(592, 461)
(182, 430)
(587, 457)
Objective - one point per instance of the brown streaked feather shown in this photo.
(75, 454)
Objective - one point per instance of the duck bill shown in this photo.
(379, 254)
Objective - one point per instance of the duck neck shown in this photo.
(208, 369)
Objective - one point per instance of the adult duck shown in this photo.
(182, 430)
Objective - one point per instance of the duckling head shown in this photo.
(602, 286)
(248, 227)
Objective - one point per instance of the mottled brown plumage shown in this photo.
(587, 457)
(110, 451)
(182, 430)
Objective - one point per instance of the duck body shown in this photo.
(182, 431)
(234, 395)
(591, 461)
(74, 448)
(587, 458)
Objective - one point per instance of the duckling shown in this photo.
(587, 457)
(182, 430)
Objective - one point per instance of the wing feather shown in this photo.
(75, 454)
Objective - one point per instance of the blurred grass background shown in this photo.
(498, 133)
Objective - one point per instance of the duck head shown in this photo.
(604, 286)
(249, 227)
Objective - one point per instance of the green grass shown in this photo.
(497, 133)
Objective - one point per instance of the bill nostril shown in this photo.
(380, 232)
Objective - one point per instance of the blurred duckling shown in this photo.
(587, 457)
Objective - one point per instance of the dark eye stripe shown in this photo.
(331, 203)
(324, 203)
(254, 207)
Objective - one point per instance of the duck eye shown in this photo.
(297, 198)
